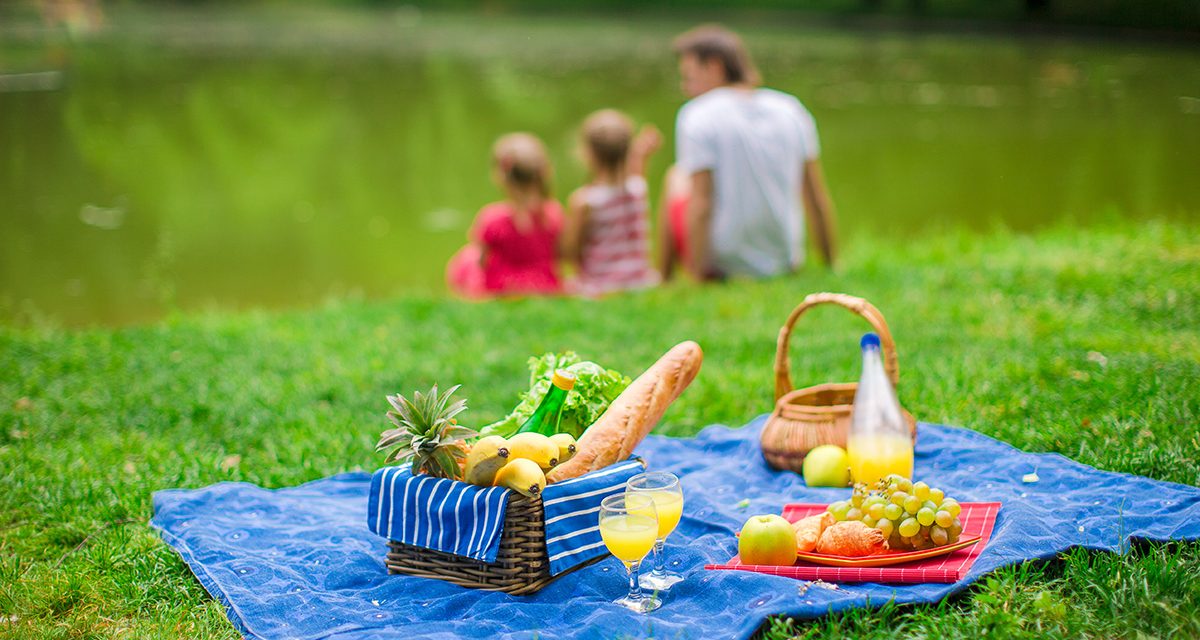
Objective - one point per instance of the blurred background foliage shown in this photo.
(1162, 14)
(180, 157)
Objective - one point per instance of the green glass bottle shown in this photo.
(545, 418)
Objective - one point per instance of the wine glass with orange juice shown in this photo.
(629, 527)
(663, 488)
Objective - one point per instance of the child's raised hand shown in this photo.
(648, 140)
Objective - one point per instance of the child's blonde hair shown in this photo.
(522, 162)
(606, 136)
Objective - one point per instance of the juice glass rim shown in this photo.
(650, 481)
(619, 503)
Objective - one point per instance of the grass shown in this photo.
(1083, 342)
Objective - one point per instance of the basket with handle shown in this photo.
(807, 418)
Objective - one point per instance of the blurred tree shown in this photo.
(1036, 7)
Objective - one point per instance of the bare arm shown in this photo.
(699, 226)
(648, 141)
(818, 207)
(666, 244)
(571, 241)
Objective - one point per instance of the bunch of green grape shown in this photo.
(911, 515)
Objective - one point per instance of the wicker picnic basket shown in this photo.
(521, 565)
(807, 418)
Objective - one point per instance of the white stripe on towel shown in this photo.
(499, 521)
(457, 528)
(379, 503)
(578, 532)
(441, 510)
(564, 554)
(487, 513)
(474, 524)
(392, 506)
(416, 500)
(583, 495)
(573, 514)
(616, 468)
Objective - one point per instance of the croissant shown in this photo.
(808, 530)
(851, 538)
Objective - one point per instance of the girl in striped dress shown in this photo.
(606, 234)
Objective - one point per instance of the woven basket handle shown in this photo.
(783, 377)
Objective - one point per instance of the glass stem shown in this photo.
(660, 558)
(635, 589)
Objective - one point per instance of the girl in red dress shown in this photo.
(513, 244)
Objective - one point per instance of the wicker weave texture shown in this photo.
(521, 565)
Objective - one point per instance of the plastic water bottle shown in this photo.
(879, 442)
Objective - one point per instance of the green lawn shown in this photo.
(1080, 342)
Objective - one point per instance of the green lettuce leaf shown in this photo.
(595, 388)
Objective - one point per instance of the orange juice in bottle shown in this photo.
(879, 442)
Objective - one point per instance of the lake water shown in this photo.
(185, 160)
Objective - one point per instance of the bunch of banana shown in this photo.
(519, 463)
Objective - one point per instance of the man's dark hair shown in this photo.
(714, 42)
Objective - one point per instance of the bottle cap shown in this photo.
(563, 379)
(869, 340)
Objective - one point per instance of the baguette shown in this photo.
(634, 413)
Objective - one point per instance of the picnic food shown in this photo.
(534, 446)
(595, 388)
(427, 433)
(910, 515)
(545, 418)
(767, 539)
(469, 521)
(566, 446)
(634, 413)
(851, 538)
(827, 466)
(879, 442)
(523, 476)
(808, 530)
(485, 458)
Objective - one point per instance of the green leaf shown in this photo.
(394, 438)
(397, 401)
(595, 389)
(446, 466)
(398, 454)
(457, 432)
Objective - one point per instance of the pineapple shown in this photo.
(427, 433)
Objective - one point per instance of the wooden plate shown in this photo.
(886, 559)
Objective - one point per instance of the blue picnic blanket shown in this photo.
(300, 562)
(465, 520)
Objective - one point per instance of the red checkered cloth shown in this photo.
(977, 519)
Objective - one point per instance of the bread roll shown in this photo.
(634, 413)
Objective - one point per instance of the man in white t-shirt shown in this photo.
(747, 167)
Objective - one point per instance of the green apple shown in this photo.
(767, 540)
(827, 466)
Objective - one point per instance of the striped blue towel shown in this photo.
(437, 513)
(573, 513)
(465, 520)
